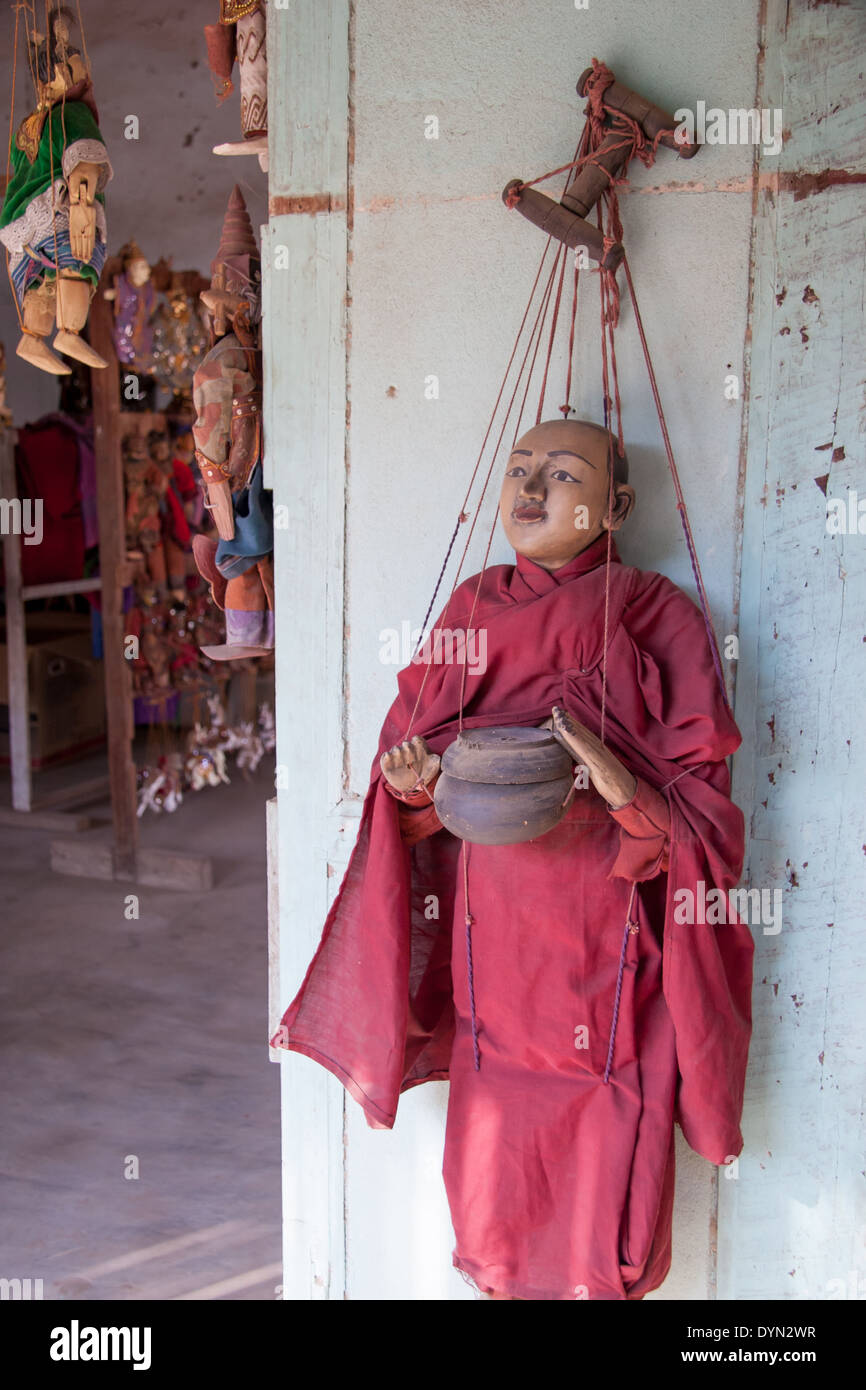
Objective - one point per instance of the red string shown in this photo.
(545, 304)
(536, 328)
(566, 407)
(552, 336)
(599, 123)
(462, 514)
(681, 501)
(605, 377)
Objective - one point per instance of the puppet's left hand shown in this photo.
(609, 776)
(82, 184)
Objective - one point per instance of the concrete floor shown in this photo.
(142, 1038)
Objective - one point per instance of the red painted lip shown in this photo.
(528, 513)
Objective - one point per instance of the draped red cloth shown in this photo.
(384, 1002)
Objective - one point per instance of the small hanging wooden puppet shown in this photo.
(134, 297)
(144, 485)
(53, 217)
(174, 497)
(241, 35)
(228, 438)
(180, 338)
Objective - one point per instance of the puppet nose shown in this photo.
(534, 489)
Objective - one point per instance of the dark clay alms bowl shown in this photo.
(502, 786)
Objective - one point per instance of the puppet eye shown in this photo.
(516, 472)
(560, 476)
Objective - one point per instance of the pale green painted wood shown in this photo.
(792, 1224)
(304, 359)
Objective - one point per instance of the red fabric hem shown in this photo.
(376, 1117)
(441, 1075)
(471, 1270)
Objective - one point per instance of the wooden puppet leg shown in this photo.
(73, 303)
(37, 312)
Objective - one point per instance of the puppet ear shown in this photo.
(624, 502)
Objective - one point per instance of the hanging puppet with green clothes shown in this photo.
(52, 222)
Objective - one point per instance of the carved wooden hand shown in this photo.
(609, 776)
(82, 184)
(405, 763)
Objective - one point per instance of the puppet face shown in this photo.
(138, 272)
(554, 499)
(159, 447)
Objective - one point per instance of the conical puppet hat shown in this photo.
(237, 252)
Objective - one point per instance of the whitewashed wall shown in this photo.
(437, 277)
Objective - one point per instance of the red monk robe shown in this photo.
(559, 1148)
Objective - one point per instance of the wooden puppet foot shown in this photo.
(37, 352)
(258, 145)
(76, 347)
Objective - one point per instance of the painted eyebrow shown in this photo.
(553, 454)
(557, 453)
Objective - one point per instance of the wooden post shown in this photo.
(304, 264)
(16, 639)
(112, 564)
(792, 1224)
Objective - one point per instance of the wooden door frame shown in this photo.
(305, 293)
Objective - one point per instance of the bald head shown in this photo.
(556, 496)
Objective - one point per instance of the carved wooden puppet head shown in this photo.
(235, 273)
(555, 493)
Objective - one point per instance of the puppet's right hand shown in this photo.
(404, 765)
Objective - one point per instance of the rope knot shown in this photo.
(596, 86)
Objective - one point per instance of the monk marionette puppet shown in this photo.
(550, 979)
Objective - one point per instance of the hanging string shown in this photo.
(554, 321)
(18, 9)
(462, 514)
(535, 336)
(681, 501)
(566, 406)
(628, 930)
(83, 37)
(49, 72)
(470, 972)
(65, 55)
(492, 530)
(31, 10)
(610, 494)
(535, 328)
(543, 312)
